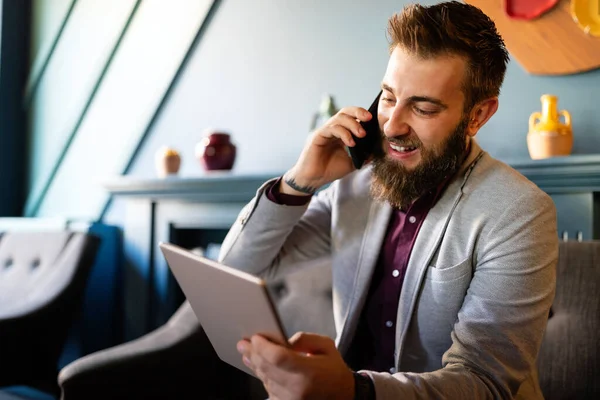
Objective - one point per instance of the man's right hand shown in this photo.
(324, 158)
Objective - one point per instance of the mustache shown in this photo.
(404, 142)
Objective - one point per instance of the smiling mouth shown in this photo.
(403, 149)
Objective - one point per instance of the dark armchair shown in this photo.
(42, 281)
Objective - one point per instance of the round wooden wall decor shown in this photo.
(552, 43)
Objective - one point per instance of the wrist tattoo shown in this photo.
(302, 189)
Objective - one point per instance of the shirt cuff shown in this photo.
(277, 197)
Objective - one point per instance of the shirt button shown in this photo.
(392, 370)
(412, 219)
(389, 324)
(395, 273)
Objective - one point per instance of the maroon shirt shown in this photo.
(374, 342)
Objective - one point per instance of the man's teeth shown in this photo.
(402, 149)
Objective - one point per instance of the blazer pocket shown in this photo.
(448, 274)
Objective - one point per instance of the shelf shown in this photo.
(217, 187)
(575, 173)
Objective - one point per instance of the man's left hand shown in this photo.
(310, 368)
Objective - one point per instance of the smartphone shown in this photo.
(370, 144)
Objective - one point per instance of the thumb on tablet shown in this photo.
(311, 343)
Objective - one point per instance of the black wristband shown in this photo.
(363, 387)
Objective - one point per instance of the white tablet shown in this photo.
(230, 304)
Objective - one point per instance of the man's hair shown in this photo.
(455, 29)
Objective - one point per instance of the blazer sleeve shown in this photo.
(270, 239)
(498, 333)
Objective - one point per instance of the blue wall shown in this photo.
(112, 64)
(259, 72)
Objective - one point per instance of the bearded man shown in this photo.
(443, 258)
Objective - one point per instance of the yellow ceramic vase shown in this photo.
(548, 136)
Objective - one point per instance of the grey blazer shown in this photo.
(478, 287)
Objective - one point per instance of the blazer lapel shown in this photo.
(428, 239)
(373, 236)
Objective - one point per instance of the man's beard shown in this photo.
(394, 183)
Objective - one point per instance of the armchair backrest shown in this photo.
(304, 299)
(36, 267)
(569, 360)
(43, 276)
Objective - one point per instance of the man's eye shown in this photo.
(387, 100)
(424, 112)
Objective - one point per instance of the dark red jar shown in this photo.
(216, 152)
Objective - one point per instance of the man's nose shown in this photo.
(397, 124)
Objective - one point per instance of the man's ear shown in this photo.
(480, 114)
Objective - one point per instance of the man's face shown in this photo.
(423, 124)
